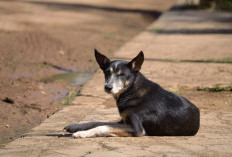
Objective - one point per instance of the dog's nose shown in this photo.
(108, 88)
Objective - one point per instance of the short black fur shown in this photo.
(159, 112)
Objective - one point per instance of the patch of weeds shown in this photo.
(162, 59)
(168, 60)
(109, 36)
(217, 88)
(216, 4)
(72, 94)
(210, 60)
(225, 6)
(110, 50)
(176, 91)
(39, 66)
(157, 29)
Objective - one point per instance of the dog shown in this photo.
(144, 106)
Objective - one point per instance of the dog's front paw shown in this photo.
(80, 127)
(81, 134)
(73, 128)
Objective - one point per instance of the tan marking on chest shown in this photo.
(124, 115)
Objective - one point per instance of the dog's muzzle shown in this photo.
(108, 88)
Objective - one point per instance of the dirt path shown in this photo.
(42, 38)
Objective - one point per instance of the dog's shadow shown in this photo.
(59, 135)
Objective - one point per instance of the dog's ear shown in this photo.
(102, 60)
(137, 62)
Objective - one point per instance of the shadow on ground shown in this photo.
(59, 135)
(76, 6)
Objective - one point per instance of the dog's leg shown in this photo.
(86, 126)
(136, 124)
(119, 130)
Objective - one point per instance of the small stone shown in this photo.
(61, 52)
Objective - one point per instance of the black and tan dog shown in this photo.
(144, 106)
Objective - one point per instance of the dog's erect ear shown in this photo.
(102, 60)
(137, 62)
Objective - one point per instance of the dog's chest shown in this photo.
(124, 115)
(126, 106)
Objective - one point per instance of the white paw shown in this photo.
(81, 134)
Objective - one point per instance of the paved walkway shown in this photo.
(177, 35)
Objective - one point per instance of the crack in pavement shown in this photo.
(109, 148)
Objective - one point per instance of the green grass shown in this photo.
(72, 94)
(210, 60)
(157, 29)
(110, 50)
(217, 88)
(109, 36)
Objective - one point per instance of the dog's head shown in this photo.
(119, 75)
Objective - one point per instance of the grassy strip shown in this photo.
(217, 88)
(210, 60)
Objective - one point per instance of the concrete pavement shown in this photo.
(175, 36)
